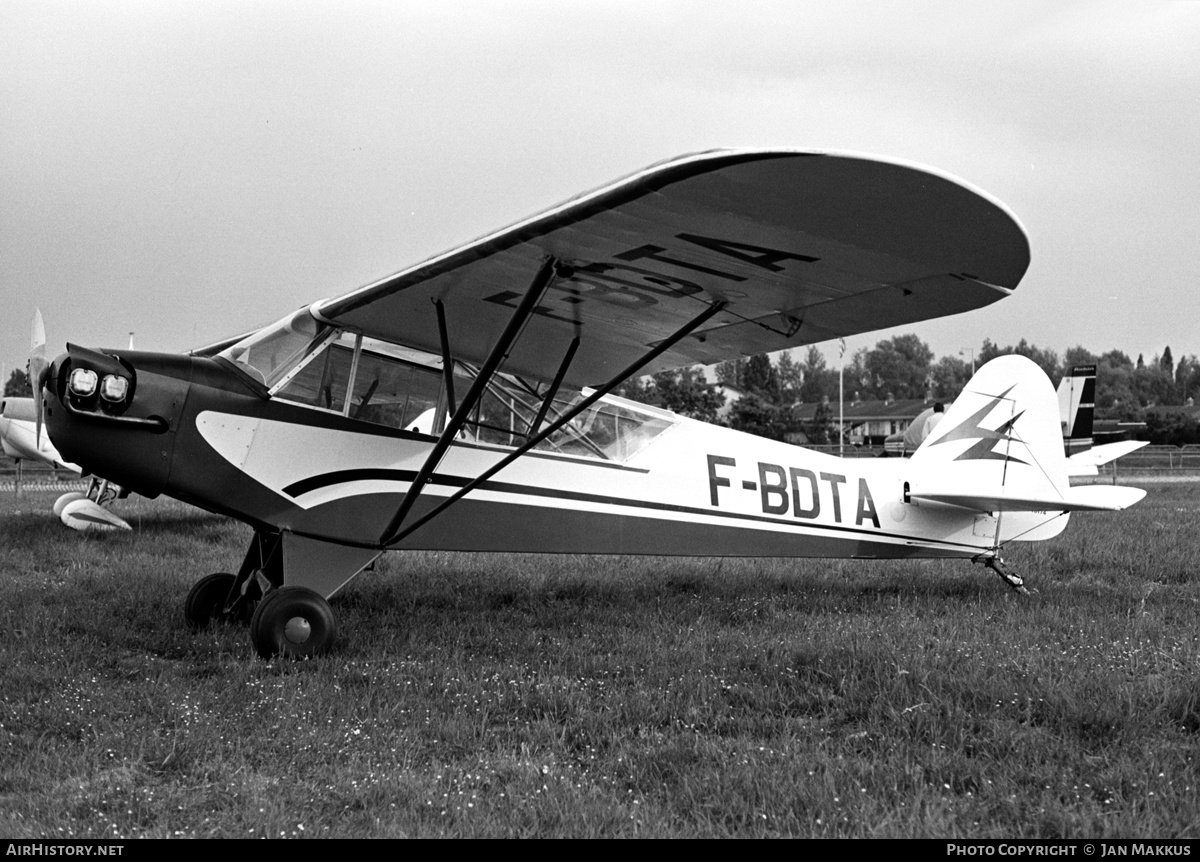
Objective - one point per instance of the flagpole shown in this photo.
(841, 400)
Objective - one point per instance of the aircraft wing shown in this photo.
(802, 246)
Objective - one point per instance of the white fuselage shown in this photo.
(694, 489)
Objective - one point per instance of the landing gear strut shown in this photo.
(281, 589)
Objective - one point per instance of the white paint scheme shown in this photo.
(1024, 469)
(62, 501)
(19, 437)
(87, 516)
(1105, 453)
(951, 507)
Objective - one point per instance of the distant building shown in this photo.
(869, 423)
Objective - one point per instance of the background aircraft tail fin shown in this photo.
(1076, 407)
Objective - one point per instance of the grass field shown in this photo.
(486, 695)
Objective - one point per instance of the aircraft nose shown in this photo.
(114, 414)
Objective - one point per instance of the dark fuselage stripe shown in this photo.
(340, 477)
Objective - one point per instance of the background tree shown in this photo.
(1187, 377)
(1170, 428)
(687, 393)
(1153, 385)
(790, 375)
(683, 391)
(1047, 360)
(1078, 356)
(858, 379)
(756, 415)
(904, 366)
(900, 366)
(730, 372)
(18, 385)
(820, 381)
(1114, 384)
(820, 430)
(950, 375)
(759, 378)
(642, 390)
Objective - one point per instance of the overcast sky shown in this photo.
(188, 171)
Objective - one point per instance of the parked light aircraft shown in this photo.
(21, 439)
(448, 406)
(80, 510)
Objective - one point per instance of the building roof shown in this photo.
(897, 409)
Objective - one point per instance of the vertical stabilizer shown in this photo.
(999, 451)
(1076, 408)
(1002, 432)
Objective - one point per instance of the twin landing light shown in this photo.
(106, 385)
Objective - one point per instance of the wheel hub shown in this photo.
(298, 630)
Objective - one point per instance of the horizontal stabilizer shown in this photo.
(1094, 498)
(1100, 455)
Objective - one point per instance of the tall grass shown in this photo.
(490, 695)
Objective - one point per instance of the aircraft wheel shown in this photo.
(69, 497)
(293, 622)
(205, 602)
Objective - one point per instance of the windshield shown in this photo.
(273, 351)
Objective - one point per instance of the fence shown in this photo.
(1177, 462)
(36, 476)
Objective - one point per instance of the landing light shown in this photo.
(83, 382)
(114, 388)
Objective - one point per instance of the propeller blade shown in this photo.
(37, 363)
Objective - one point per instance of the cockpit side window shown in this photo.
(322, 382)
(394, 393)
(306, 362)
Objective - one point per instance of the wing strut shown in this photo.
(447, 361)
(395, 534)
(548, 398)
(545, 276)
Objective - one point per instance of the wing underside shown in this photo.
(800, 248)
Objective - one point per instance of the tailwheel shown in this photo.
(293, 622)
(1007, 575)
(207, 600)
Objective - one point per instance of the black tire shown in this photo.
(205, 603)
(293, 623)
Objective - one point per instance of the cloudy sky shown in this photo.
(189, 170)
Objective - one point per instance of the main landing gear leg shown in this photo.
(282, 590)
(1009, 577)
(223, 597)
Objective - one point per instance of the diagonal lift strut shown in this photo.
(545, 276)
(395, 533)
